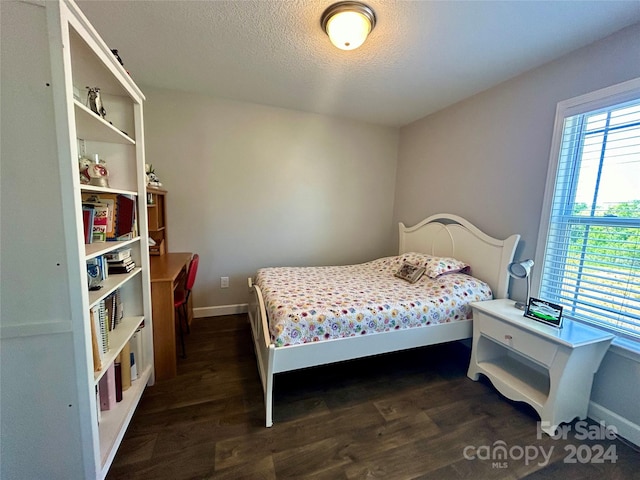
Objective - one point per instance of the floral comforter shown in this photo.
(310, 304)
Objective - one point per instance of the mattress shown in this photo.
(311, 304)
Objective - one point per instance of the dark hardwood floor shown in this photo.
(411, 415)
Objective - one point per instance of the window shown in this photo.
(591, 219)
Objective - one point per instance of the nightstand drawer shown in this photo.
(518, 339)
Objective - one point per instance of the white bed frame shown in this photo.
(441, 235)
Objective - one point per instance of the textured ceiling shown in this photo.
(422, 55)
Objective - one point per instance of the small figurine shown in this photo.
(152, 178)
(94, 102)
(83, 164)
(98, 173)
(115, 54)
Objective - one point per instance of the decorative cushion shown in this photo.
(436, 266)
(409, 272)
(442, 265)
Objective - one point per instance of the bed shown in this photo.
(332, 320)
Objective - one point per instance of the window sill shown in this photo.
(626, 348)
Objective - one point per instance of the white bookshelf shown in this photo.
(49, 409)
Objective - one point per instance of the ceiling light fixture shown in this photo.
(348, 24)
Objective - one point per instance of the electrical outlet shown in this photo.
(224, 282)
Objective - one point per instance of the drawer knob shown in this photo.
(508, 337)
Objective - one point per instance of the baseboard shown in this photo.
(220, 310)
(626, 428)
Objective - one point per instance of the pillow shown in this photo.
(409, 272)
(442, 265)
(435, 266)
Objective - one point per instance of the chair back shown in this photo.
(191, 274)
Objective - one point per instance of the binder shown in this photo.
(107, 387)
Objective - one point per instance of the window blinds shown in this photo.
(592, 257)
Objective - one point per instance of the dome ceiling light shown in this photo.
(348, 24)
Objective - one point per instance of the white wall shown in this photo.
(253, 186)
(486, 159)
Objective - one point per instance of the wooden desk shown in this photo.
(167, 272)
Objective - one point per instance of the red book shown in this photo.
(126, 215)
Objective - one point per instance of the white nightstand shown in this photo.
(550, 369)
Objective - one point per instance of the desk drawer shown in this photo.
(518, 339)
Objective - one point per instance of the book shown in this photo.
(116, 269)
(118, 255)
(94, 275)
(134, 366)
(98, 410)
(110, 201)
(102, 263)
(125, 365)
(104, 326)
(126, 215)
(87, 223)
(101, 214)
(121, 263)
(135, 346)
(117, 366)
(119, 307)
(110, 307)
(114, 313)
(107, 388)
(95, 345)
(95, 317)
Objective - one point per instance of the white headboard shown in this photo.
(446, 235)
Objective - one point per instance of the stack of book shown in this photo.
(108, 217)
(105, 316)
(120, 261)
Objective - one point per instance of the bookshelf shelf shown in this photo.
(47, 315)
(113, 422)
(98, 190)
(110, 285)
(96, 68)
(95, 249)
(117, 340)
(92, 127)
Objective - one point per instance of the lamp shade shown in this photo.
(520, 269)
(348, 24)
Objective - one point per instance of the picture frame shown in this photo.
(544, 312)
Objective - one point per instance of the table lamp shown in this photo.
(522, 270)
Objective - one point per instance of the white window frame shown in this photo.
(603, 98)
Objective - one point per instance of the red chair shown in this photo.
(182, 299)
